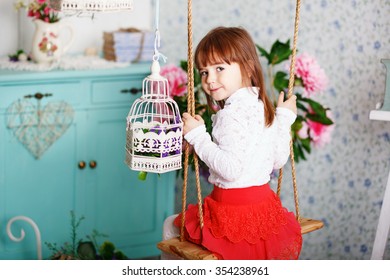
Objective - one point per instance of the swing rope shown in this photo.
(289, 94)
(191, 111)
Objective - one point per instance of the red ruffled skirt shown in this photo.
(244, 224)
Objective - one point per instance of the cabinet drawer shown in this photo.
(70, 92)
(116, 91)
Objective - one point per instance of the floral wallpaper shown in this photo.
(342, 183)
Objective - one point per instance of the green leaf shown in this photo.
(301, 153)
(301, 106)
(297, 125)
(107, 250)
(280, 81)
(317, 107)
(298, 153)
(298, 82)
(197, 78)
(142, 175)
(279, 52)
(306, 144)
(264, 53)
(318, 113)
(319, 119)
(184, 65)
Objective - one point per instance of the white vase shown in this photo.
(48, 43)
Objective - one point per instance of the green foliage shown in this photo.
(308, 109)
(78, 249)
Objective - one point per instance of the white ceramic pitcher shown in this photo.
(48, 45)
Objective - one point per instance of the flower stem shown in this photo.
(271, 81)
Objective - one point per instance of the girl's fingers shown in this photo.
(281, 98)
(199, 118)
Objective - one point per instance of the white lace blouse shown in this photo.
(243, 151)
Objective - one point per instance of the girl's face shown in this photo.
(221, 80)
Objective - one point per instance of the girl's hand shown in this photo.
(191, 122)
(290, 103)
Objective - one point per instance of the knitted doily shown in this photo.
(79, 62)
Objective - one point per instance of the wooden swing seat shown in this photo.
(191, 251)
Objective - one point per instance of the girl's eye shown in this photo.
(219, 69)
(203, 73)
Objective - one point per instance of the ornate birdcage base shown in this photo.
(154, 146)
(154, 165)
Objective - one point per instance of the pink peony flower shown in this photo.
(313, 76)
(177, 79)
(318, 132)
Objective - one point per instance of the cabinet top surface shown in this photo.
(20, 76)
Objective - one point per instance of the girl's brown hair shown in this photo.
(235, 45)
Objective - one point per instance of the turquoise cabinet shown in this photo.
(83, 170)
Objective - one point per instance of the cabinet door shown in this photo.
(131, 212)
(42, 189)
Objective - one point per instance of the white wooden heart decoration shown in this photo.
(37, 129)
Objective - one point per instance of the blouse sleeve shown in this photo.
(225, 156)
(284, 119)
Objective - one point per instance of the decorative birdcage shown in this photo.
(154, 128)
(91, 5)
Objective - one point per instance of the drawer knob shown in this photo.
(81, 164)
(92, 164)
(132, 90)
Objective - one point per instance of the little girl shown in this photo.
(243, 217)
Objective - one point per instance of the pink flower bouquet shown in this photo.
(40, 9)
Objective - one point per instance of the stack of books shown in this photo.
(128, 45)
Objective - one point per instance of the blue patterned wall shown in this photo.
(343, 183)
